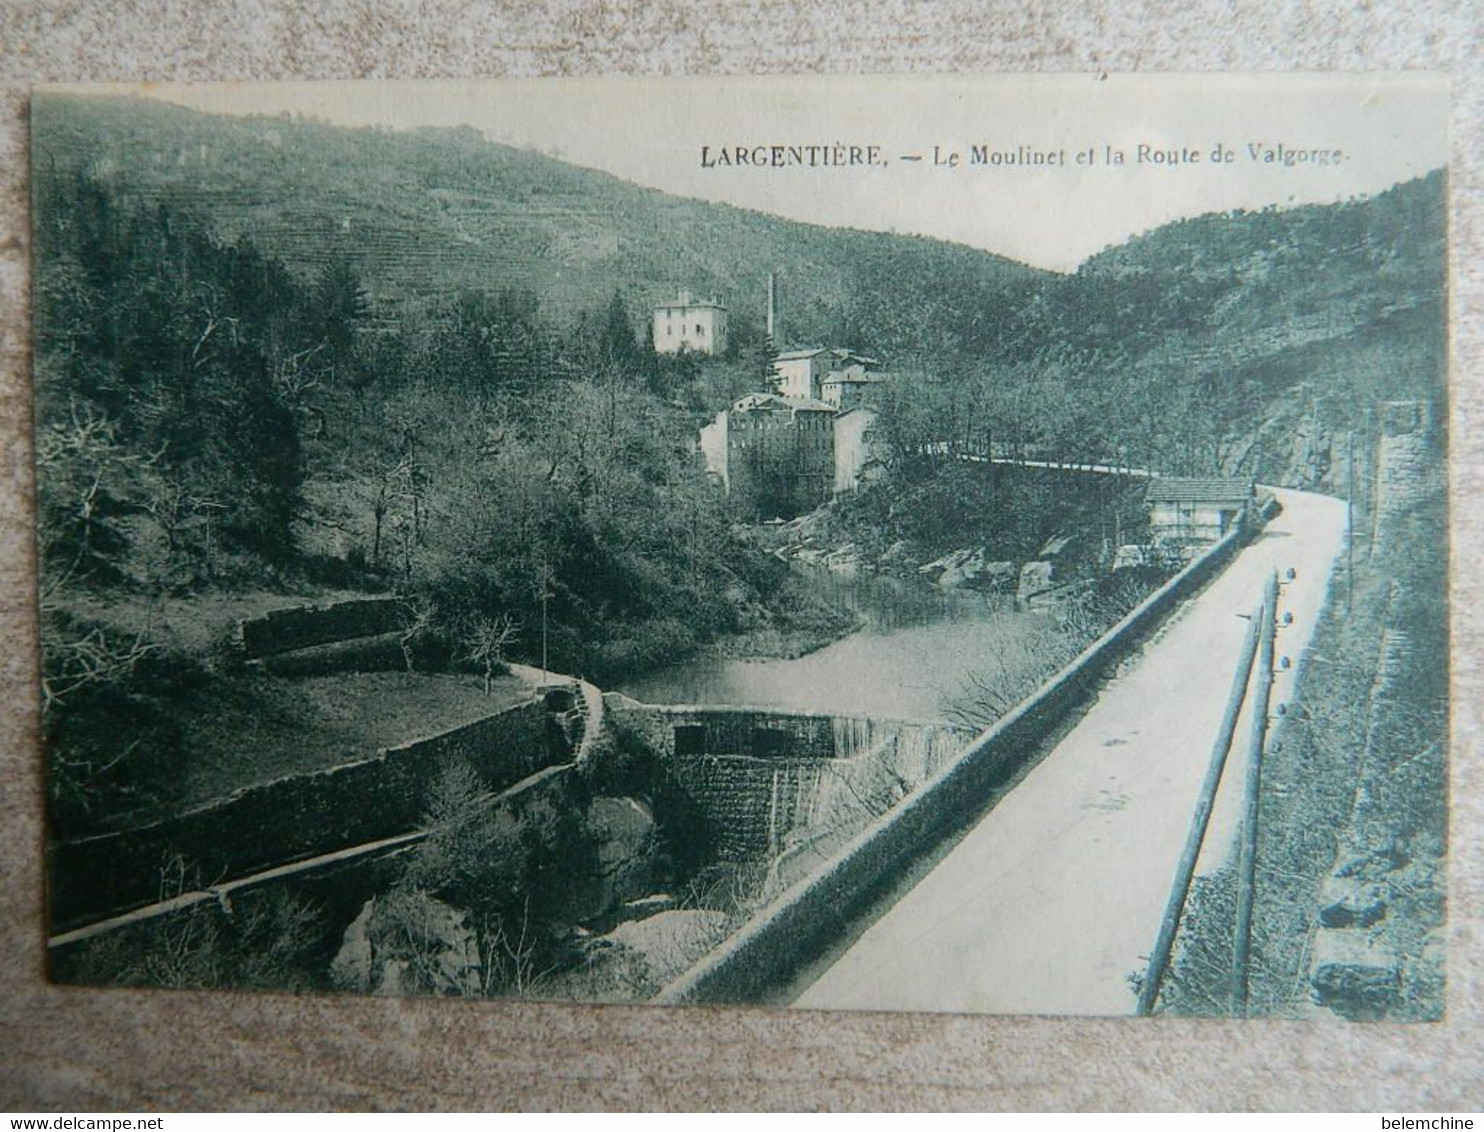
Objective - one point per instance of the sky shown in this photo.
(1357, 134)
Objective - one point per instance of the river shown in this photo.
(911, 659)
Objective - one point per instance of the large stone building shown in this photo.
(781, 456)
(690, 325)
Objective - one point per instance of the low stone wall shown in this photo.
(296, 817)
(298, 627)
(800, 924)
(687, 731)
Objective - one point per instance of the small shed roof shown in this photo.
(1175, 489)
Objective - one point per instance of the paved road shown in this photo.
(1049, 903)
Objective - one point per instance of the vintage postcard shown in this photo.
(956, 544)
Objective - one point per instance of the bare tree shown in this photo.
(508, 956)
(420, 614)
(89, 660)
(485, 645)
(383, 486)
(295, 379)
(83, 470)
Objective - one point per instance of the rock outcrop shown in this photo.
(623, 831)
(969, 568)
(669, 942)
(409, 943)
(1035, 578)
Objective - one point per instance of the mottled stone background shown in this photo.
(69, 1049)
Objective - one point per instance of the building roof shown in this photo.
(836, 352)
(853, 356)
(689, 305)
(809, 404)
(775, 401)
(854, 376)
(686, 301)
(1174, 489)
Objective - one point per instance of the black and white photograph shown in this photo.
(972, 545)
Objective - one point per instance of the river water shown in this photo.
(912, 659)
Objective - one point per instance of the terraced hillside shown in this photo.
(427, 212)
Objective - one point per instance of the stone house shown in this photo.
(697, 326)
(853, 387)
(803, 373)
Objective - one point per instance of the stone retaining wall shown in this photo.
(295, 817)
(335, 884)
(284, 630)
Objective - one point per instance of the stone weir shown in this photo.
(783, 788)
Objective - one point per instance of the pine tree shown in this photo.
(765, 365)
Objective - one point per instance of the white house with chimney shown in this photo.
(690, 325)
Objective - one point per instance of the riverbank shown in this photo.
(959, 524)
(801, 618)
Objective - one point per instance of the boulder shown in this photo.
(408, 943)
(938, 565)
(1349, 903)
(351, 969)
(969, 569)
(963, 569)
(1035, 578)
(1353, 976)
(670, 942)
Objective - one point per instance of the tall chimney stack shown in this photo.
(775, 325)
